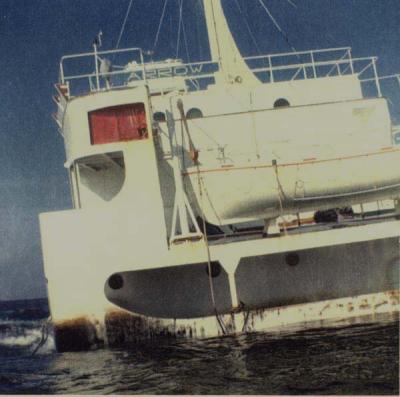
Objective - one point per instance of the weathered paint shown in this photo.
(121, 327)
(124, 227)
(78, 334)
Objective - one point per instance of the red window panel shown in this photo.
(118, 124)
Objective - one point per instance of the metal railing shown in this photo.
(91, 79)
(301, 60)
(93, 71)
(314, 64)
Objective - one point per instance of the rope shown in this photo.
(248, 27)
(123, 24)
(178, 41)
(292, 3)
(160, 24)
(211, 205)
(281, 194)
(211, 138)
(283, 33)
(185, 40)
(45, 336)
(245, 322)
(200, 182)
(193, 151)
(210, 281)
(199, 12)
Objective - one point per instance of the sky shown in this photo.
(34, 34)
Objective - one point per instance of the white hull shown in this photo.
(160, 286)
(154, 150)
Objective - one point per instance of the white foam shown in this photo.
(31, 337)
(48, 347)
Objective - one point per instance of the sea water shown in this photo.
(356, 359)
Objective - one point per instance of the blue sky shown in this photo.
(34, 34)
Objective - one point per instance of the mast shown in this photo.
(232, 67)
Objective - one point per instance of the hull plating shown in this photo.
(259, 281)
(121, 327)
(324, 285)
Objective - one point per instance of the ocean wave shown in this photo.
(28, 338)
(18, 335)
(4, 324)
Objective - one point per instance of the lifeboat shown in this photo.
(263, 191)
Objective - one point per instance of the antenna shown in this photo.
(123, 24)
(96, 44)
(97, 41)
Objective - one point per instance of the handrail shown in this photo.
(275, 55)
(86, 54)
(337, 62)
(260, 69)
(390, 76)
(318, 63)
(148, 68)
(194, 72)
(96, 54)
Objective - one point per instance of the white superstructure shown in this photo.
(187, 180)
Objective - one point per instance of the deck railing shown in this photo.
(314, 64)
(105, 70)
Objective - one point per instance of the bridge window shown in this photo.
(194, 113)
(281, 103)
(159, 116)
(118, 124)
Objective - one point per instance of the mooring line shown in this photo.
(194, 154)
(44, 337)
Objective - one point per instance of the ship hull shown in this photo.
(121, 328)
(303, 279)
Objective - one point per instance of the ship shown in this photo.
(221, 197)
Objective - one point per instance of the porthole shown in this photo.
(116, 281)
(215, 269)
(159, 116)
(281, 103)
(194, 113)
(292, 259)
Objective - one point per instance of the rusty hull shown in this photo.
(120, 327)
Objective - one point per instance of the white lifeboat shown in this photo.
(263, 191)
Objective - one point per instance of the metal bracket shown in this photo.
(183, 217)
